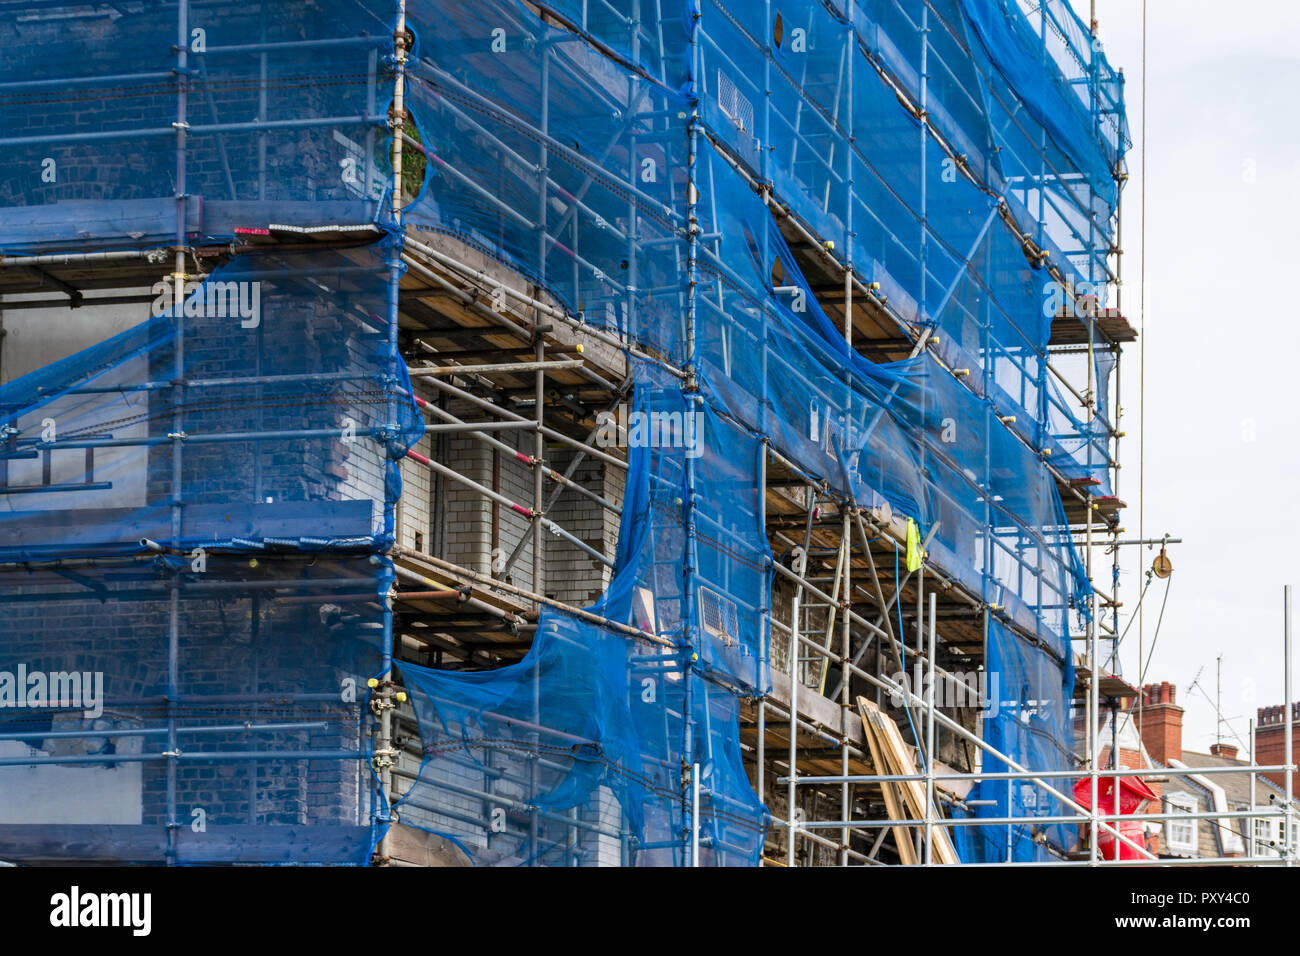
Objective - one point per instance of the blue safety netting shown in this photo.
(553, 158)
(194, 512)
(792, 102)
(575, 755)
(908, 433)
(596, 209)
(656, 45)
(624, 162)
(241, 735)
(285, 110)
(1028, 718)
(266, 410)
(186, 518)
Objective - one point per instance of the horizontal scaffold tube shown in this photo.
(526, 460)
(486, 281)
(569, 609)
(513, 506)
(508, 415)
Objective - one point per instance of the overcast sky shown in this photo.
(1222, 377)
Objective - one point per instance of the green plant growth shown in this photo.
(414, 162)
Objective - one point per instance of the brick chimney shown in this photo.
(1227, 751)
(1270, 738)
(1162, 722)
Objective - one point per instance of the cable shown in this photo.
(1135, 609)
(1155, 637)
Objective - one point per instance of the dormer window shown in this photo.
(1180, 835)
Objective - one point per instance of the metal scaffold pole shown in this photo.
(177, 436)
(689, 772)
(764, 664)
(383, 693)
(931, 811)
(792, 755)
(846, 530)
(1253, 842)
(846, 713)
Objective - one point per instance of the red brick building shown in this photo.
(1149, 734)
(1270, 739)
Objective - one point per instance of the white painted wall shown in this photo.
(47, 793)
(35, 338)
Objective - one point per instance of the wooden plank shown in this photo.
(70, 843)
(420, 848)
(142, 221)
(899, 757)
(223, 216)
(1111, 326)
(914, 795)
(902, 838)
(253, 843)
(897, 761)
(440, 579)
(813, 707)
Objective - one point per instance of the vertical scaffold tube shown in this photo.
(178, 420)
(845, 712)
(792, 771)
(539, 396)
(692, 400)
(384, 755)
(932, 674)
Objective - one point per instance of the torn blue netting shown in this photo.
(574, 756)
(587, 751)
(934, 242)
(909, 433)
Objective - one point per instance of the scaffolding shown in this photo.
(851, 259)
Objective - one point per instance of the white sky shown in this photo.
(1222, 376)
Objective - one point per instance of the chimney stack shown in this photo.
(1270, 738)
(1227, 751)
(1162, 722)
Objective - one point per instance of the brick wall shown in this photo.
(416, 516)
(229, 644)
(569, 573)
(1270, 740)
(129, 39)
(572, 575)
(1162, 722)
